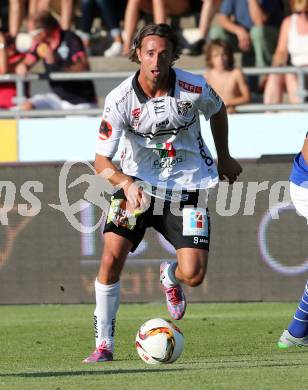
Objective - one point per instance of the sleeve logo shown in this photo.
(105, 130)
(190, 87)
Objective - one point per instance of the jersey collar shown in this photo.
(142, 97)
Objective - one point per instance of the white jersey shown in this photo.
(162, 138)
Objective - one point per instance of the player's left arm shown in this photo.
(214, 109)
(305, 150)
(227, 166)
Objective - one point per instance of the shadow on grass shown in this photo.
(205, 367)
(47, 374)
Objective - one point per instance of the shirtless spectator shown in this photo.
(61, 51)
(227, 81)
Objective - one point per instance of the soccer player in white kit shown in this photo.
(164, 158)
(297, 332)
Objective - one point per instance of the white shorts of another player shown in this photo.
(299, 196)
(51, 101)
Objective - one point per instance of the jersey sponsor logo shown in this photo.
(167, 156)
(124, 97)
(206, 158)
(195, 222)
(136, 116)
(184, 107)
(159, 106)
(165, 149)
(190, 87)
(163, 124)
(105, 130)
(167, 162)
(136, 113)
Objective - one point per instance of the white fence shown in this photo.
(118, 76)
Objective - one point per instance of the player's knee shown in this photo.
(108, 260)
(196, 278)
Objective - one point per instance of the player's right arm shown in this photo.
(110, 132)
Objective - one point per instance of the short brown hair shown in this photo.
(161, 30)
(299, 5)
(226, 48)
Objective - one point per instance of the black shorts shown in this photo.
(185, 224)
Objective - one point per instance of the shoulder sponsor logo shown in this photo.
(190, 87)
(105, 130)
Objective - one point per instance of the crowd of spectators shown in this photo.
(264, 32)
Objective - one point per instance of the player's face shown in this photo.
(219, 58)
(155, 56)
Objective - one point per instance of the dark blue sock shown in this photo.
(299, 326)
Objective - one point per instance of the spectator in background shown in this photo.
(160, 9)
(4, 15)
(293, 42)
(208, 11)
(252, 27)
(9, 59)
(227, 81)
(17, 11)
(111, 13)
(60, 51)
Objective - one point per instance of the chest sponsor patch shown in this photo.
(195, 222)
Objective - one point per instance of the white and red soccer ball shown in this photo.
(159, 341)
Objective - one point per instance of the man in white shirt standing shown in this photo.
(164, 158)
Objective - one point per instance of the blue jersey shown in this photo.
(299, 172)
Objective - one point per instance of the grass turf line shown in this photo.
(227, 346)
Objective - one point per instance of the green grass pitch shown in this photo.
(227, 346)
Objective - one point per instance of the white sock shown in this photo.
(107, 304)
(169, 279)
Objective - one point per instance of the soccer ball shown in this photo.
(159, 341)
